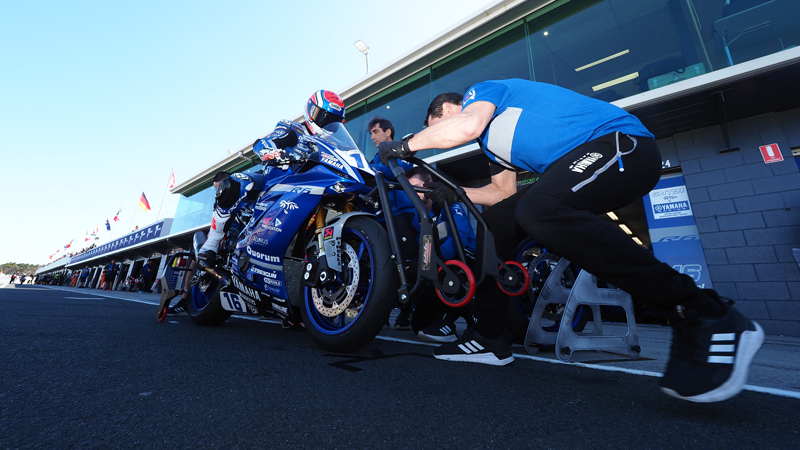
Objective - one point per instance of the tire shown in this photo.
(365, 253)
(204, 305)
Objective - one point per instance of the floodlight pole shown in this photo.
(363, 48)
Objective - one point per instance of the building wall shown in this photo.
(748, 214)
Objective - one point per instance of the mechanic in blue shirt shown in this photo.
(594, 157)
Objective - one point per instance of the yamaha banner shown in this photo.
(673, 230)
(145, 234)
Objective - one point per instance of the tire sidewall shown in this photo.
(383, 294)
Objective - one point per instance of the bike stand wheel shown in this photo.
(521, 272)
(464, 274)
(162, 314)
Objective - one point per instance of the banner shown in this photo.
(673, 230)
(139, 236)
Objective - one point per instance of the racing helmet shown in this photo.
(323, 107)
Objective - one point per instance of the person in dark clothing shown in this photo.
(593, 158)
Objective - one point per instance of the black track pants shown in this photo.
(560, 211)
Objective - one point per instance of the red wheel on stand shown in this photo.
(162, 314)
(523, 280)
(467, 285)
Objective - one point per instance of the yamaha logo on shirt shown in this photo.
(469, 95)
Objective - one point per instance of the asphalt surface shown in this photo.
(78, 370)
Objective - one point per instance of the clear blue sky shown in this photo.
(99, 100)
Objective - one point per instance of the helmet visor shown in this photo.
(321, 117)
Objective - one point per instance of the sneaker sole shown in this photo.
(749, 344)
(402, 328)
(480, 358)
(437, 339)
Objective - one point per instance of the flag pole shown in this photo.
(134, 214)
(114, 225)
(165, 195)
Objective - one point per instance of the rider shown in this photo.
(275, 149)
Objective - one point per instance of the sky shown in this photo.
(101, 100)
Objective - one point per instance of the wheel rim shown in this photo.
(354, 282)
(467, 280)
(522, 285)
(201, 293)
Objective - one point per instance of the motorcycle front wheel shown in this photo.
(346, 314)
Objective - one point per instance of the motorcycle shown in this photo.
(309, 248)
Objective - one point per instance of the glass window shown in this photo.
(736, 31)
(501, 56)
(404, 105)
(193, 211)
(615, 48)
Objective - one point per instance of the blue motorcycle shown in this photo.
(309, 248)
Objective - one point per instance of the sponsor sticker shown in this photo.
(262, 256)
(288, 206)
(327, 233)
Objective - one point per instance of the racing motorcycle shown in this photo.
(308, 249)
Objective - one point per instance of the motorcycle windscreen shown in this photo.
(339, 137)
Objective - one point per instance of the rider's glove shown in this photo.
(394, 149)
(207, 259)
(275, 157)
(440, 193)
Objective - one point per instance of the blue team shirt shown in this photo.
(537, 123)
(447, 246)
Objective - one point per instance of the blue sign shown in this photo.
(673, 230)
(148, 233)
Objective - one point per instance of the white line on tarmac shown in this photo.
(763, 390)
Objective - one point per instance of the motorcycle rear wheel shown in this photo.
(204, 304)
(368, 280)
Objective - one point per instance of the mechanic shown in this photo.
(594, 157)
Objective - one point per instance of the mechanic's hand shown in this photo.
(393, 149)
(207, 259)
(440, 193)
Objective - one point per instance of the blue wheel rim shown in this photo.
(201, 299)
(339, 324)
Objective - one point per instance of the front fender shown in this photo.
(332, 238)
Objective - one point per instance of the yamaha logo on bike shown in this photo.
(330, 160)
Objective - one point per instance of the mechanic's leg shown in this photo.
(490, 304)
(562, 215)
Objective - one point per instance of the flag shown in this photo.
(144, 203)
(108, 225)
(116, 217)
(95, 230)
(68, 245)
(171, 180)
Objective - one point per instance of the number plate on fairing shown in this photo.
(232, 302)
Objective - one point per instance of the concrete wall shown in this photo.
(748, 214)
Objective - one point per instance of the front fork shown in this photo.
(317, 272)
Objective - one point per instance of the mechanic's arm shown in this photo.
(455, 130)
(502, 186)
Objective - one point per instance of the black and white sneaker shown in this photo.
(472, 347)
(710, 356)
(403, 320)
(441, 331)
(178, 309)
